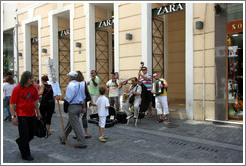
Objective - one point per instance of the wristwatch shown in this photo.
(13, 116)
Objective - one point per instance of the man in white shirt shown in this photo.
(113, 89)
(75, 96)
(136, 90)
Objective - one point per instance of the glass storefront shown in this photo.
(235, 76)
(235, 61)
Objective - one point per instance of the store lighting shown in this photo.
(235, 35)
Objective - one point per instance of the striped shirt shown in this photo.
(148, 84)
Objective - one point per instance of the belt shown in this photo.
(76, 104)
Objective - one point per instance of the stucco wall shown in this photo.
(205, 42)
(130, 51)
(79, 36)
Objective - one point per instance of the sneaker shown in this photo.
(128, 117)
(101, 139)
(105, 137)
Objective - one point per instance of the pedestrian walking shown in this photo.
(23, 102)
(93, 85)
(47, 104)
(113, 89)
(75, 96)
(161, 98)
(102, 104)
(146, 79)
(80, 78)
(8, 86)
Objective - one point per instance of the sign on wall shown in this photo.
(168, 9)
(34, 39)
(64, 33)
(234, 27)
(105, 23)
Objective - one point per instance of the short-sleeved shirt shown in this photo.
(75, 93)
(8, 88)
(113, 89)
(24, 100)
(102, 102)
(138, 89)
(94, 90)
(148, 84)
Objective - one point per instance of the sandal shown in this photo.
(159, 120)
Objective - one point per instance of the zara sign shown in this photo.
(168, 9)
(105, 23)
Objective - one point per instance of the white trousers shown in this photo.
(126, 107)
(94, 108)
(161, 105)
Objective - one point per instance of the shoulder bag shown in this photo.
(87, 94)
(66, 104)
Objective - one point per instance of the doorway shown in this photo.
(64, 58)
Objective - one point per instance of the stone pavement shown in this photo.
(181, 142)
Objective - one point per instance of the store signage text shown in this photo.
(234, 27)
(64, 33)
(168, 9)
(105, 23)
(237, 26)
(34, 39)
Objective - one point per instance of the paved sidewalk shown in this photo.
(182, 141)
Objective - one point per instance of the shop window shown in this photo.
(235, 69)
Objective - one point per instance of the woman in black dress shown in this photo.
(47, 105)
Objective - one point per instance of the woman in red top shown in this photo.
(24, 101)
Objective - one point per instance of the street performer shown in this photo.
(134, 89)
(161, 98)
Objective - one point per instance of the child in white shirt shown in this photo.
(102, 104)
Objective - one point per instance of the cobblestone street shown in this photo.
(151, 142)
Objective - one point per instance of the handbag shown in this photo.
(66, 104)
(41, 130)
(87, 94)
(132, 98)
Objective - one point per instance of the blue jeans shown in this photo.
(6, 108)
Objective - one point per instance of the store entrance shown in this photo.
(168, 53)
(104, 50)
(235, 71)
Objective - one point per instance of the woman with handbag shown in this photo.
(47, 104)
